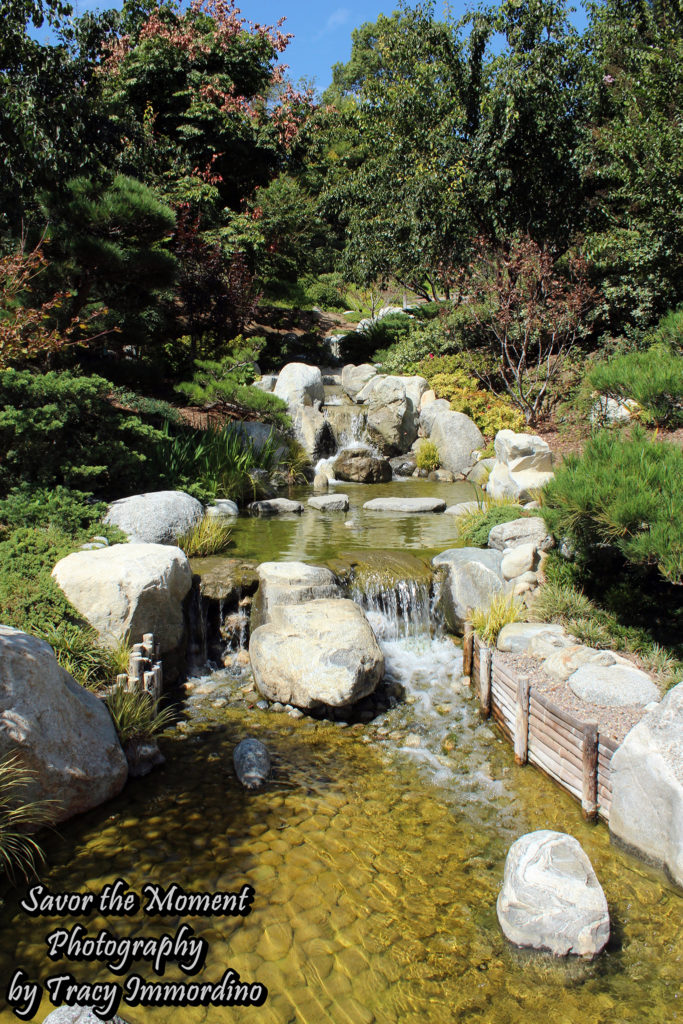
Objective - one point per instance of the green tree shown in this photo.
(632, 158)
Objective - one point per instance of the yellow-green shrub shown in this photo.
(490, 412)
(428, 456)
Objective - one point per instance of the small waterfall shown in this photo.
(197, 628)
(398, 608)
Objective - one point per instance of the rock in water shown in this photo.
(252, 763)
(551, 898)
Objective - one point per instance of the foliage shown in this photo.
(532, 313)
(490, 412)
(58, 428)
(20, 854)
(209, 537)
(501, 611)
(474, 526)
(295, 462)
(27, 331)
(632, 160)
(654, 379)
(669, 331)
(219, 462)
(361, 344)
(223, 385)
(109, 243)
(72, 512)
(135, 715)
(80, 652)
(623, 493)
(428, 456)
(328, 291)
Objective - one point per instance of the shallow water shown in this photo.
(317, 536)
(376, 850)
(377, 854)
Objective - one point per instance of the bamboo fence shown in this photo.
(572, 752)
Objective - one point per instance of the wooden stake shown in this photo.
(468, 648)
(485, 680)
(522, 721)
(589, 795)
(148, 645)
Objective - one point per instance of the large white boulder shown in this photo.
(128, 590)
(474, 578)
(392, 417)
(519, 486)
(353, 378)
(520, 637)
(457, 437)
(290, 583)
(613, 685)
(646, 814)
(300, 384)
(551, 897)
(523, 466)
(159, 517)
(323, 652)
(62, 732)
(429, 413)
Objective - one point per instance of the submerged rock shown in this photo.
(63, 733)
(275, 507)
(646, 813)
(551, 897)
(252, 763)
(319, 653)
(159, 517)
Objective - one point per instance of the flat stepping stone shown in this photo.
(405, 505)
(275, 507)
(613, 686)
(330, 502)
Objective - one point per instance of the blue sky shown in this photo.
(322, 32)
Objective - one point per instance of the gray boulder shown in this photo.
(517, 637)
(613, 686)
(403, 465)
(129, 590)
(610, 410)
(354, 378)
(392, 419)
(300, 384)
(322, 652)
(520, 486)
(346, 424)
(551, 897)
(313, 432)
(290, 583)
(330, 502)
(366, 391)
(402, 505)
(267, 382)
(361, 466)
(62, 732)
(462, 508)
(646, 814)
(223, 508)
(429, 413)
(518, 560)
(522, 451)
(275, 507)
(159, 517)
(415, 388)
(479, 474)
(473, 579)
(457, 437)
(531, 530)
(564, 662)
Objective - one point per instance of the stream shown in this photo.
(376, 851)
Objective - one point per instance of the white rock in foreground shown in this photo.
(290, 583)
(551, 897)
(158, 517)
(320, 652)
(62, 732)
(129, 589)
(646, 814)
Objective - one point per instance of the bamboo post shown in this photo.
(122, 679)
(158, 678)
(149, 685)
(485, 680)
(522, 721)
(589, 796)
(468, 648)
(157, 651)
(136, 667)
(148, 645)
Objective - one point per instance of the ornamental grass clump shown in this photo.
(501, 611)
(428, 456)
(135, 715)
(20, 854)
(474, 526)
(211, 536)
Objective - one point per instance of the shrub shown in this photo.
(225, 386)
(20, 854)
(376, 335)
(67, 510)
(474, 527)
(654, 379)
(327, 292)
(209, 537)
(669, 331)
(428, 456)
(219, 462)
(58, 428)
(625, 494)
(79, 651)
(488, 622)
(135, 715)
